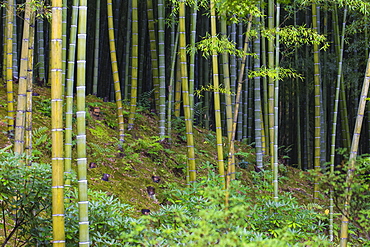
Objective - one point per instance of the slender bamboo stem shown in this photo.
(276, 105)
(334, 128)
(31, 41)
(185, 93)
(317, 92)
(257, 98)
(69, 95)
(115, 72)
(22, 89)
(237, 100)
(161, 69)
(220, 153)
(134, 63)
(96, 49)
(353, 155)
(81, 125)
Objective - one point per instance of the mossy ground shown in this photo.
(144, 154)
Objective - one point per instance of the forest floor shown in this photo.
(144, 154)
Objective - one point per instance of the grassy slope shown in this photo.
(144, 155)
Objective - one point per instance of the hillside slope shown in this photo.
(143, 154)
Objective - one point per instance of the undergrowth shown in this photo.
(197, 216)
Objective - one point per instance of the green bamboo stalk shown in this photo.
(170, 89)
(69, 96)
(64, 43)
(128, 51)
(257, 97)
(41, 50)
(322, 105)
(134, 63)
(233, 66)
(4, 37)
(240, 116)
(142, 64)
(228, 101)
(334, 128)
(28, 125)
(265, 117)
(9, 66)
(207, 97)
(96, 50)
(317, 92)
(162, 69)
(193, 32)
(244, 104)
(271, 83)
(307, 162)
(117, 87)
(22, 89)
(81, 125)
(249, 107)
(178, 89)
(237, 102)
(153, 52)
(15, 43)
(226, 81)
(57, 125)
(325, 98)
(353, 155)
(185, 94)
(216, 98)
(343, 102)
(298, 111)
(344, 117)
(276, 105)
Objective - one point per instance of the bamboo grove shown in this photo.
(286, 77)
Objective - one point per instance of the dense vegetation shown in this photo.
(196, 216)
(208, 113)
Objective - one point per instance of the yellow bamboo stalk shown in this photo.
(9, 66)
(113, 56)
(185, 93)
(57, 125)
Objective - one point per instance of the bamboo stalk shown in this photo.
(353, 155)
(28, 139)
(115, 72)
(22, 89)
(57, 125)
(185, 93)
(134, 63)
(220, 153)
(69, 95)
(9, 66)
(81, 125)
